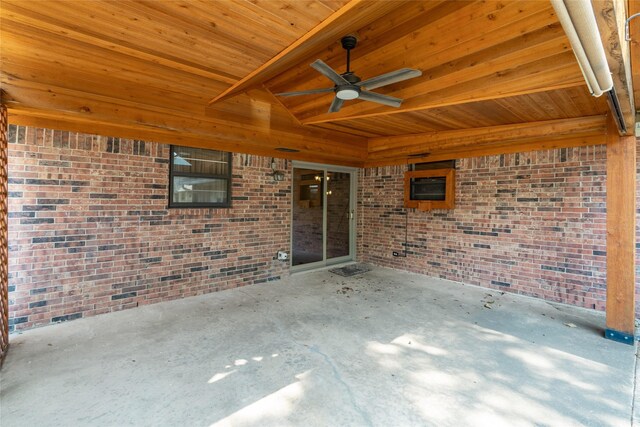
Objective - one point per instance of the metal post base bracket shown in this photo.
(618, 336)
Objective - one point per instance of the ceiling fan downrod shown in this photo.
(348, 43)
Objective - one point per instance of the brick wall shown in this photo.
(4, 219)
(531, 223)
(90, 231)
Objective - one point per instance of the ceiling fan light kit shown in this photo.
(347, 92)
(348, 86)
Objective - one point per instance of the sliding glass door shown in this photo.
(323, 221)
(308, 216)
(339, 214)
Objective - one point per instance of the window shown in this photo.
(199, 178)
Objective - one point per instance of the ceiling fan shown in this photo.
(350, 86)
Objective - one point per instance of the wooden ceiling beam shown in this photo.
(71, 123)
(409, 145)
(493, 149)
(610, 17)
(138, 117)
(537, 107)
(52, 98)
(349, 18)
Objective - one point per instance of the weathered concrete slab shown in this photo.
(384, 348)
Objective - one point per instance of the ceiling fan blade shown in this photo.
(306, 92)
(389, 78)
(380, 99)
(336, 105)
(328, 72)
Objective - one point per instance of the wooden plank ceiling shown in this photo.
(150, 69)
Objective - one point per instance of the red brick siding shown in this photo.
(4, 236)
(90, 231)
(531, 223)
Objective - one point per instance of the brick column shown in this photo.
(4, 249)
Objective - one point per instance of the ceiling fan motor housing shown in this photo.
(350, 77)
(349, 42)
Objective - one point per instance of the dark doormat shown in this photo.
(351, 270)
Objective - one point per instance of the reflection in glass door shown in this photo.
(307, 230)
(338, 214)
(322, 218)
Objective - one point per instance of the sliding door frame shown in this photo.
(353, 185)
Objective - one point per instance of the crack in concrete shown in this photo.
(338, 377)
(336, 374)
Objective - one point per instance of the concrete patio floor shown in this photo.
(385, 348)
